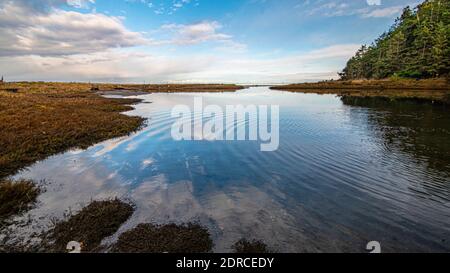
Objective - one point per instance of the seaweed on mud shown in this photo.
(171, 238)
(90, 226)
(245, 246)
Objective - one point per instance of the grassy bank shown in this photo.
(38, 121)
(437, 90)
(16, 197)
(34, 87)
(176, 88)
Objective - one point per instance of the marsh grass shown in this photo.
(431, 90)
(245, 246)
(175, 88)
(90, 226)
(43, 120)
(39, 119)
(16, 197)
(171, 238)
(75, 88)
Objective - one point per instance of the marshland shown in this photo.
(350, 163)
(88, 161)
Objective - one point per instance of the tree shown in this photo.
(440, 51)
(415, 46)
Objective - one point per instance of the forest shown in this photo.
(416, 46)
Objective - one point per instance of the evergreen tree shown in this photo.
(417, 46)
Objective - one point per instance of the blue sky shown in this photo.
(241, 41)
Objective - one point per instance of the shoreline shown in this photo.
(432, 90)
(70, 115)
(134, 240)
(15, 87)
(386, 84)
(40, 119)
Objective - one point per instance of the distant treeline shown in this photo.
(416, 46)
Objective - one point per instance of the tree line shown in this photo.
(416, 46)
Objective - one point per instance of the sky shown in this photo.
(187, 41)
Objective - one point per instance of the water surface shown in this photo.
(346, 173)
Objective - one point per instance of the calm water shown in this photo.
(347, 172)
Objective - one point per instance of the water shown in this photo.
(346, 173)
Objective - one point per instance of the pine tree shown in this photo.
(417, 45)
(440, 51)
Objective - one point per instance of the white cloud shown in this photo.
(41, 42)
(80, 3)
(124, 66)
(335, 8)
(374, 2)
(61, 32)
(196, 33)
(111, 65)
(46, 5)
(383, 12)
(165, 7)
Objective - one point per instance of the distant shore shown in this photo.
(33, 87)
(433, 90)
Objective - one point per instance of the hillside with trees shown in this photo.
(416, 46)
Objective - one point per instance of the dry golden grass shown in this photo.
(56, 87)
(427, 84)
(431, 89)
(16, 197)
(39, 119)
(175, 88)
(45, 119)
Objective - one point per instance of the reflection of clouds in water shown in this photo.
(147, 162)
(132, 143)
(75, 151)
(112, 175)
(326, 189)
(251, 213)
(110, 145)
(66, 189)
(230, 214)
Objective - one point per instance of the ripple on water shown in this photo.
(339, 179)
